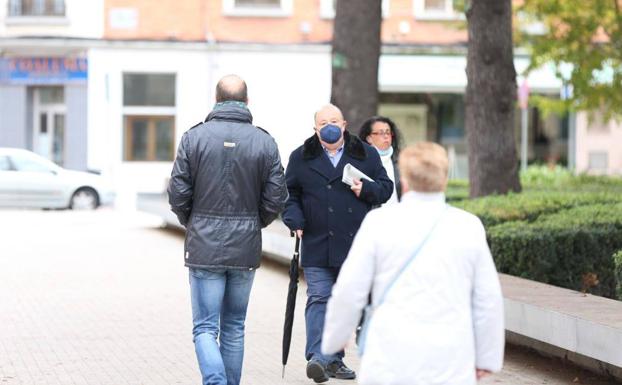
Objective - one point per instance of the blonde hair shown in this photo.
(423, 166)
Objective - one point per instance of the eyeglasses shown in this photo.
(382, 133)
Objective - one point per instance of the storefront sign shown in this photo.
(43, 71)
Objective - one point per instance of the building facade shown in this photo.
(112, 85)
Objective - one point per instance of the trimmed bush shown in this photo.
(457, 189)
(617, 262)
(560, 248)
(545, 177)
(530, 205)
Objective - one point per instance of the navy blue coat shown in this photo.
(323, 206)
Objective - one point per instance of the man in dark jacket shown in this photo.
(227, 183)
(326, 213)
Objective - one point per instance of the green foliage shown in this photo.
(457, 189)
(530, 205)
(560, 248)
(545, 177)
(559, 228)
(617, 262)
(583, 42)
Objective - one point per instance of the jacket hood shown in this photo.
(353, 146)
(231, 111)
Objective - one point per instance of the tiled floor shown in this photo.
(102, 298)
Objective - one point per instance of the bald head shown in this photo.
(328, 113)
(231, 88)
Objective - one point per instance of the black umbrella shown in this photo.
(291, 303)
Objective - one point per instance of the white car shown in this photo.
(31, 181)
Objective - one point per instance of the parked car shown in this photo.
(31, 181)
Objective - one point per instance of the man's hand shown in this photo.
(299, 233)
(481, 373)
(358, 186)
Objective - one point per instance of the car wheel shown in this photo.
(84, 199)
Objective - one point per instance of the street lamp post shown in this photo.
(523, 101)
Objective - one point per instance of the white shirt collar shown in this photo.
(416, 196)
(336, 152)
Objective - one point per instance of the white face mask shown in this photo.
(387, 152)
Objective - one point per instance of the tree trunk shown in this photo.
(491, 99)
(355, 56)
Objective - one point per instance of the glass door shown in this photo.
(49, 135)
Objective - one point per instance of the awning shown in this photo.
(447, 73)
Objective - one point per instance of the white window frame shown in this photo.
(448, 14)
(284, 10)
(327, 11)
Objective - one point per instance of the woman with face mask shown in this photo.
(381, 133)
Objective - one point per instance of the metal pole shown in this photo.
(523, 137)
(572, 141)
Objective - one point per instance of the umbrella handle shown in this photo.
(297, 248)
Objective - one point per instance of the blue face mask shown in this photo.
(330, 133)
(387, 152)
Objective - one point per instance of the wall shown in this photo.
(76, 97)
(143, 19)
(13, 102)
(307, 22)
(285, 89)
(594, 136)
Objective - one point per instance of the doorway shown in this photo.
(49, 123)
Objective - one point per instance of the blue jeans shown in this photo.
(219, 302)
(320, 281)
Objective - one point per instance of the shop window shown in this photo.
(450, 118)
(267, 8)
(149, 138)
(36, 8)
(149, 117)
(328, 7)
(51, 95)
(436, 10)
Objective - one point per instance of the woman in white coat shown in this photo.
(441, 320)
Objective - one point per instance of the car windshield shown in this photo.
(31, 164)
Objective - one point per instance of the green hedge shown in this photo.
(561, 179)
(530, 205)
(559, 248)
(457, 189)
(617, 261)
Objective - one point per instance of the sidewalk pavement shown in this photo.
(102, 298)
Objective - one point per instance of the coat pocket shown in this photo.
(203, 240)
(241, 241)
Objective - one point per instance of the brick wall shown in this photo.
(157, 19)
(203, 19)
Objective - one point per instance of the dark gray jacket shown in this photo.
(227, 183)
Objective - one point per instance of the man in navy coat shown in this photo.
(326, 214)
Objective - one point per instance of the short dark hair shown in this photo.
(396, 137)
(225, 92)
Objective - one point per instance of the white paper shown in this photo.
(350, 173)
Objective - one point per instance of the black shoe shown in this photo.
(316, 371)
(340, 371)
